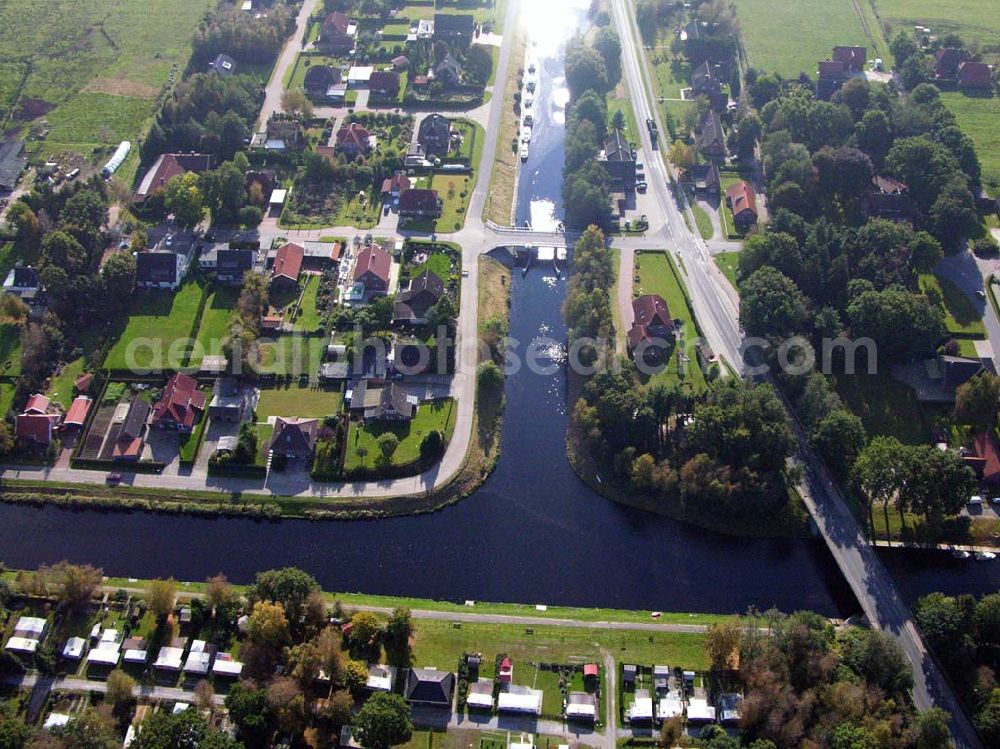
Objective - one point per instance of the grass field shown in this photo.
(6, 397)
(439, 643)
(791, 36)
(293, 355)
(960, 314)
(439, 414)
(304, 402)
(727, 264)
(309, 318)
(61, 388)
(656, 275)
(977, 116)
(214, 326)
(10, 350)
(450, 188)
(969, 18)
(703, 221)
(92, 69)
(890, 408)
(159, 326)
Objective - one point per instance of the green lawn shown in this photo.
(671, 73)
(887, 407)
(473, 138)
(6, 397)
(292, 355)
(159, 327)
(214, 327)
(351, 211)
(969, 18)
(960, 314)
(10, 350)
(977, 116)
(439, 415)
(450, 189)
(657, 275)
(440, 644)
(308, 318)
(295, 77)
(703, 221)
(61, 387)
(727, 262)
(98, 118)
(303, 402)
(191, 445)
(624, 105)
(791, 36)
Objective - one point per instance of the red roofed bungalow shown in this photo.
(287, 266)
(506, 670)
(354, 139)
(975, 75)
(372, 269)
(78, 411)
(853, 58)
(590, 671)
(35, 428)
(82, 383)
(652, 326)
(180, 404)
(395, 184)
(985, 446)
(37, 404)
(743, 202)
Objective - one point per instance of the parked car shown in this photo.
(975, 501)
(113, 479)
(641, 186)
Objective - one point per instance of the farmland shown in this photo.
(92, 69)
(807, 31)
(977, 116)
(964, 17)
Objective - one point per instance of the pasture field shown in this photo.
(970, 19)
(102, 61)
(792, 36)
(977, 116)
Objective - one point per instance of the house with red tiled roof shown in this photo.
(337, 33)
(947, 61)
(35, 428)
(168, 166)
(354, 140)
(743, 203)
(82, 383)
(287, 266)
(652, 327)
(372, 269)
(78, 411)
(985, 460)
(180, 404)
(393, 186)
(975, 75)
(853, 58)
(37, 404)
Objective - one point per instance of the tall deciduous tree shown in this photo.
(383, 722)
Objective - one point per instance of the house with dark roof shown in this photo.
(166, 167)
(354, 140)
(411, 357)
(434, 135)
(975, 76)
(429, 687)
(711, 138)
(336, 34)
(159, 270)
(888, 198)
(705, 178)
(400, 63)
(180, 405)
(384, 83)
(232, 401)
(287, 266)
(294, 439)
(448, 71)
(319, 79)
(958, 370)
(830, 78)
(128, 442)
(947, 61)
(282, 135)
(24, 283)
(372, 269)
(652, 330)
(705, 82)
(413, 304)
(618, 162)
(743, 203)
(852, 58)
(394, 404)
(419, 203)
(393, 186)
(13, 160)
(231, 265)
(454, 27)
(223, 65)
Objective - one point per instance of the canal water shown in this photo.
(532, 534)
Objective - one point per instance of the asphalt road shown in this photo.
(289, 53)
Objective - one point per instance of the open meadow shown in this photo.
(92, 69)
(791, 36)
(971, 19)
